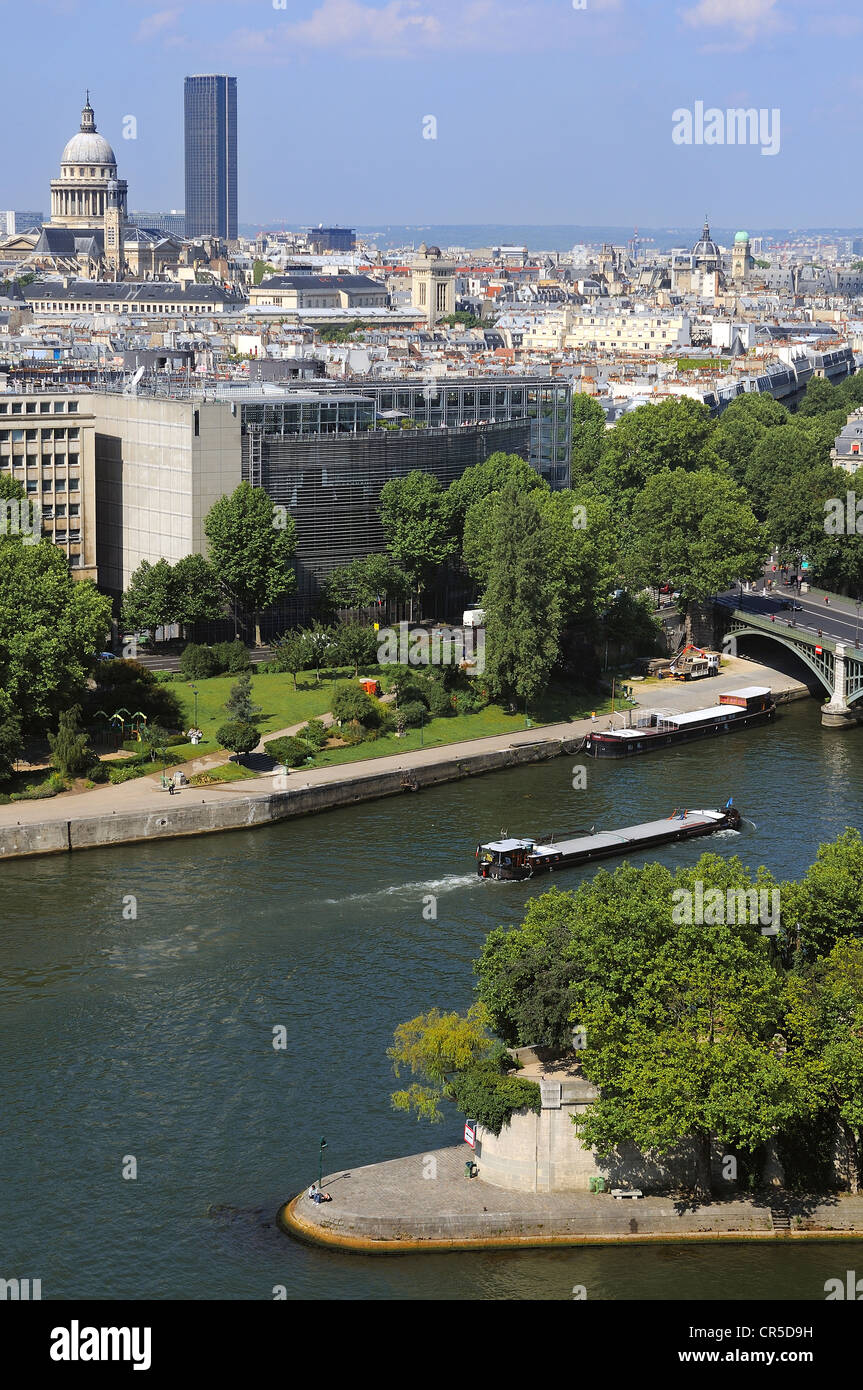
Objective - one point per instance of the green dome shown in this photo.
(741, 236)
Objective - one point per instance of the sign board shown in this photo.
(804, 564)
(470, 1133)
(818, 651)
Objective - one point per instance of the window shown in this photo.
(73, 407)
(59, 406)
(44, 407)
(16, 407)
(74, 508)
(60, 484)
(32, 485)
(61, 509)
(73, 484)
(47, 483)
(30, 408)
(30, 434)
(17, 436)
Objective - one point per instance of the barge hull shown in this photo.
(598, 746)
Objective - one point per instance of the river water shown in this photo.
(141, 986)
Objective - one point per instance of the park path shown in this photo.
(146, 794)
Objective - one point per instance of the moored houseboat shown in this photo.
(511, 858)
(737, 709)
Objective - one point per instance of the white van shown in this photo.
(473, 617)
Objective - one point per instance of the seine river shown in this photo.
(149, 1037)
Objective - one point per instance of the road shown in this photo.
(839, 619)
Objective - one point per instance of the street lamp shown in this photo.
(321, 1162)
(195, 693)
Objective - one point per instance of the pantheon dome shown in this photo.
(87, 166)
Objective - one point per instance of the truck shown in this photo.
(694, 664)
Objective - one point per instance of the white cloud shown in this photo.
(743, 21)
(157, 23)
(347, 23)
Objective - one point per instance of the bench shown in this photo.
(620, 1193)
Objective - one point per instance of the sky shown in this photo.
(368, 112)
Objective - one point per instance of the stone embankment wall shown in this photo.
(241, 813)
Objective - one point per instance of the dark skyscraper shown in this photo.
(211, 156)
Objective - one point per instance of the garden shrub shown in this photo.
(198, 662)
(232, 657)
(289, 750)
(413, 714)
(351, 703)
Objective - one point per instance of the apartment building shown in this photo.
(47, 442)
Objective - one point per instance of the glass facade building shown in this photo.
(211, 156)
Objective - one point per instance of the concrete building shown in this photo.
(299, 292)
(847, 451)
(433, 284)
(47, 442)
(75, 297)
(159, 467)
(323, 450)
(632, 330)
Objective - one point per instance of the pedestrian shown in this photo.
(827, 600)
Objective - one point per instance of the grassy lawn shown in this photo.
(225, 772)
(281, 705)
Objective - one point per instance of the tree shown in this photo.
(71, 754)
(239, 737)
(697, 532)
(291, 653)
(675, 434)
(129, 686)
(510, 546)
(588, 548)
(740, 427)
(434, 1045)
(356, 645)
(366, 581)
(819, 397)
(824, 1029)
(50, 626)
(319, 644)
(239, 702)
(10, 744)
(481, 480)
(826, 905)
(414, 518)
(588, 436)
(149, 601)
(196, 596)
(251, 548)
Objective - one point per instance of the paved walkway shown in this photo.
(145, 793)
(425, 1201)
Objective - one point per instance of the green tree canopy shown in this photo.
(695, 531)
(588, 436)
(251, 548)
(482, 479)
(512, 547)
(50, 629)
(414, 518)
(674, 434)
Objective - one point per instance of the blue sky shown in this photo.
(546, 113)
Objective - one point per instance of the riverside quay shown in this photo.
(324, 451)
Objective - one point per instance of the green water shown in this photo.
(151, 1036)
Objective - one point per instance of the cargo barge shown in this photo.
(737, 709)
(518, 859)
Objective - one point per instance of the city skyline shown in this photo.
(363, 113)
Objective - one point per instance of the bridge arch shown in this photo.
(799, 650)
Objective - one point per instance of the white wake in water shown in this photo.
(447, 884)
